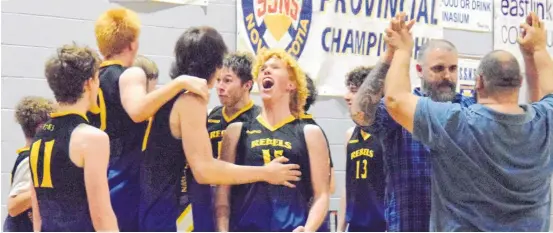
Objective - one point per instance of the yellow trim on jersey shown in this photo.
(65, 113)
(187, 212)
(147, 134)
(277, 126)
(306, 116)
(22, 149)
(365, 135)
(244, 109)
(111, 62)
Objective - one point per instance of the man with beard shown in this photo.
(491, 162)
(407, 161)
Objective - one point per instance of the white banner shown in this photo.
(179, 2)
(331, 37)
(467, 76)
(470, 15)
(508, 17)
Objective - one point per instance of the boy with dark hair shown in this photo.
(362, 203)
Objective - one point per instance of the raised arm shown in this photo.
(532, 40)
(141, 105)
(93, 146)
(37, 220)
(343, 201)
(367, 99)
(399, 100)
(208, 170)
(222, 195)
(318, 154)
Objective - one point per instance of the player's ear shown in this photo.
(248, 85)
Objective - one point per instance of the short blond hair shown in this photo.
(115, 30)
(149, 66)
(298, 98)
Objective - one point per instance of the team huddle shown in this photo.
(431, 160)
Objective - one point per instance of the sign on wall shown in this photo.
(467, 76)
(508, 17)
(330, 37)
(470, 15)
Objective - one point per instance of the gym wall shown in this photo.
(32, 30)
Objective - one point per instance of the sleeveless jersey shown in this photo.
(201, 196)
(263, 207)
(58, 182)
(163, 189)
(125, 138)
(308, 119)
(365, 182)
(23, 221)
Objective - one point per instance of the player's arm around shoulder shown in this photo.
(222, 195)
(318, 159)
(141, 105)
(89, 149)
(192, 113)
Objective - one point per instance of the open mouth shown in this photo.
(267, 83)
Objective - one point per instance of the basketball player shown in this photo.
(276, 133)
(179, 129)
(31, 113)
(124, 105)
(362, 203)
(308, 118)
(233, 88)
(69, 158)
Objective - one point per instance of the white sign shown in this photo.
(466, 78)
(508, 17)
(470, 15)
(331, 37)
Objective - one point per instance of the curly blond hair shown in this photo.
(115, 30)
(299, 97)
(31, 112)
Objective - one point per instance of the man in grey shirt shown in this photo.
(491, 162)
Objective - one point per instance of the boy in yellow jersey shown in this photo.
(124, 105)
(31, 113)
(69, 158)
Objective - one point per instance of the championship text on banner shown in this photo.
(467, 76)
(470, 15)
(331, 37)
(508, 17)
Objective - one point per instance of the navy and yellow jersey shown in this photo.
(23, 221)
(364, 183)
(58, 182)
(125, 138)
(162, 175)
(263, 207)
(218, 121)
(308, 119)
(201, 196)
